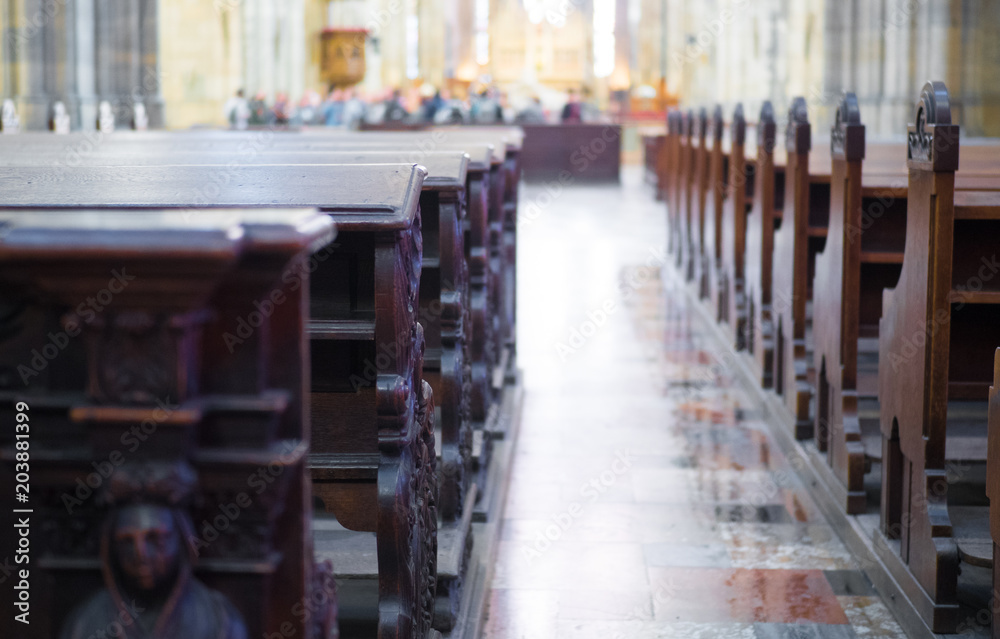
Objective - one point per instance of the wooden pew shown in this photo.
(672, 181)
(653, 154)
(372, 456)
(938, 330)
(134, 403)
(504, 183)
(801, 236)
(444, 289)
(863, 255)
(993, 480)
(716, 191)
(698, 202)
(761, 223)
(837, 324)
(686, 197)
(483, 224)
(735, 205)
(589, 151)
(251, 146)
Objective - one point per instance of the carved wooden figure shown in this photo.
(143, 408)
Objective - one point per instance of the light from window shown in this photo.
(412, 46)
(604, 38)
(483, 32)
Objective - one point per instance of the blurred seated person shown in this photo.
(453, 111)
(531, 114)
(333, 108)
(237, 111)
(572, 113)
(486, 109)
(355, 109)
(432, 106)
(394, 109)
(308, 111)
(280, 111)
(258, 110)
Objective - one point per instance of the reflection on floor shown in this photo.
(645, 500)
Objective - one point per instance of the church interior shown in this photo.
(499, 319)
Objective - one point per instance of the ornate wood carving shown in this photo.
(117, 463)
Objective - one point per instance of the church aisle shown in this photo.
(645, 501)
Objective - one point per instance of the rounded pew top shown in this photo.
(358, 197)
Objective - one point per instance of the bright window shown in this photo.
(604, 38)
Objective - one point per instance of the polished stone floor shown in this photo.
(645, 500)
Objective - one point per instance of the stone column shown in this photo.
(82, 104)
(37, 28)
(149, 81)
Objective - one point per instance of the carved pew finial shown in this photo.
(739, 125)
(689, 124)
(847, 136)
(718, 126)
(932, 140)
(798, 132)
(766, 128)
(702, 124)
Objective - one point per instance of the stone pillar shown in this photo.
(82, 104)
(36, 66)
(149, 81)
(125, 54)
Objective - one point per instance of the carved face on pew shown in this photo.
(146, 546)
(147, 562)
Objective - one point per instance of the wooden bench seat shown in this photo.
(716, 188)
(921, 381)
(796, 243)
(686, 197)
(674, 180)
(731, 302)
(697, 202)
(653, 147)
(153, 355)
(372, 455)
(762, 222)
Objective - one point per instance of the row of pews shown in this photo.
(860, 280)
(255, 381)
